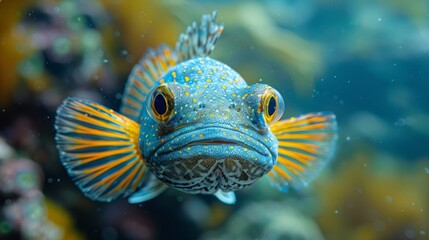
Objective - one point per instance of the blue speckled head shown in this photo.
(215, 136)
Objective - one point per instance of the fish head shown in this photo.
(205, 129)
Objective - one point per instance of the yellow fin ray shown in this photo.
(154, 64)
(198, 40)
(100, 150)
(306, 145)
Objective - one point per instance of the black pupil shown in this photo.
(272, 106)
(160, 104)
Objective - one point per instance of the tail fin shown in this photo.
(99, 148)
(306, 144)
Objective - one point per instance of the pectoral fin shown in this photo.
(225, 197)
(99, 148)
(306, 144)
(151, 189)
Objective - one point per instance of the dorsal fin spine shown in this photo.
(196, 41)
(199, 41)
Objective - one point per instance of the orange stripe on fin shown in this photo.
(306, 145)
(100, 149)
(150, 69)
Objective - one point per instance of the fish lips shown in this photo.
(219, 142)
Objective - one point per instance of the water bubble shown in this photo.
(50, 180)
(422, 232)
(337, 212)
(379, 19)
(427, 170)
(348, 138)
(105, 60)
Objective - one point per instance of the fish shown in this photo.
(191, 123)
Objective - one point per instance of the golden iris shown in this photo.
(162, 103)
(272, 106)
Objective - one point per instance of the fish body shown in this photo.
(192, 123)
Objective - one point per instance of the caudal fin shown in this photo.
(99, 148)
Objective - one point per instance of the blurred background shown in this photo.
(365, 60)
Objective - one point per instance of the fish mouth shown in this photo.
(206, 159)
(219, 137)
(221, 142)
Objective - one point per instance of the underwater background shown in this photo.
(365, 60)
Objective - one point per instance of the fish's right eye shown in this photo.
(272, 106)
(162, 103)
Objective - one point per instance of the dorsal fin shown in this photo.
(197, 41)
(143, 77)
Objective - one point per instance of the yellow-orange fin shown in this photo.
(99, 148)
(306, 145)
(198, 40)
(144, 76)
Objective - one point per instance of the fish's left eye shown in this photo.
(161, 103)
(272, 106)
